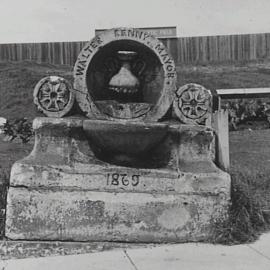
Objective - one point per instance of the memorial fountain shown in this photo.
(136, 163)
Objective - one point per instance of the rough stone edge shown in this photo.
(221, 182)
(20, 249)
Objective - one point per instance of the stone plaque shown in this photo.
(98, 66)
(192, 104)
(54, 96)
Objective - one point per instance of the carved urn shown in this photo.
(124, 84)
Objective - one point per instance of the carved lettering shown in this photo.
(80, 70)
(125, 180)
(171, 75)
(135, 180)
(131, 33)
(93, 45)
(122, 179)
(98, 40)
(169, 68)
(123, 32)
(169, 60)
(85, 56)
(164, 57)
(117, 33)
(88, 49)
(160, 48)
(139, 34)
(145, 36)
(82, 63)
(115, 177)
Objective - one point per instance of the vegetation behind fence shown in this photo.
(185, 50)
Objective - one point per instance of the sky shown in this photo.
(75, 20)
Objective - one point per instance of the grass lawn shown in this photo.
(12, 151)
(249, 214)
(250, 158)
(17, 82)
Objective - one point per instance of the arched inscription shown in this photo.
(125, 36)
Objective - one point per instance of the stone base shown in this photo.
(105, 216)
(142, 205)
(70, 195)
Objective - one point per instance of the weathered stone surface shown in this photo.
(54, 96)
(119, 179)
(69, 194)
(193, 104)
(107, 216)
(65, 142)
(189, 167)
(121, 137)
(98, 63)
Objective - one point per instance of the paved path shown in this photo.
(165, 257)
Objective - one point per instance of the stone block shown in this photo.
(111, 216)
(69, 194)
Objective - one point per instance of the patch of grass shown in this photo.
(247, 218)
(226, 76)
(18, 80)
(250, 157)
(249, 213)
(12, 151)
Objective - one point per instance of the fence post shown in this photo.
(221, 127)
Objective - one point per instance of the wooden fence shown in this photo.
(185, 50)
(221, 117)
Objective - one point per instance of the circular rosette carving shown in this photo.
(193, 104)
(54, 96)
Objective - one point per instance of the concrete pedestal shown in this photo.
(62, 192)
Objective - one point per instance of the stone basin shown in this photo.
(131, 138)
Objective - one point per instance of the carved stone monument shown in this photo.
(137, 165)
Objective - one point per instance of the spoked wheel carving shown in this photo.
(54, 96)
(192, 104)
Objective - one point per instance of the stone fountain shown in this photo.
(136, 163)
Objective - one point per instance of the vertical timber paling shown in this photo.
(185, 50)
(221, 127)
